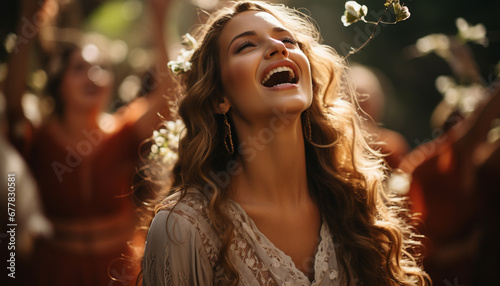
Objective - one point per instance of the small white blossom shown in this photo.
(438, 43)
(355, 9)
(163, 151)
(170, 158)
(468, 33)
(171, 126)
(159, 140)
(154, 149)
(353, 13)
(189, 41)
(166, 142)
(183, 62)
(463, 97)
(402, 12)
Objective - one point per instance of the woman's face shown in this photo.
(85, 86)
(263, 68)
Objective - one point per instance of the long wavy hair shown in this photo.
(346, 178)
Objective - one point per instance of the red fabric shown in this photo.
(440, 193)
(110, 164)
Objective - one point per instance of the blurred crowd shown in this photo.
(74, 146)
(77, 222)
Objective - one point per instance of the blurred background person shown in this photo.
(24, 211)
(453, 188)
(82, 161)
(454, 192)
(371, 88)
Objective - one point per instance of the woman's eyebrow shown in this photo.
(244, 34)
(280, 29)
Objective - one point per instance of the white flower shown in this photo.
(174, 142)
(353, 13)
(438, 43)
(355, 9)
(170, 158)
(183, 62)
(159, 140)
(163, 151)
(189, 41)
(467, 33)
(402, 12)
(154, 149)
(443, 83)
(166, 142)
(171, 126)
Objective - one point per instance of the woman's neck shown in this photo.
(273, 164)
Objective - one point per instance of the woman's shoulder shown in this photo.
(181, 244)
(184, 214)
(189, 205)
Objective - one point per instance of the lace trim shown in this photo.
(321, 265)
(247, 253)
(247, 240)
(279, 258)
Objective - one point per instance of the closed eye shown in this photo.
(288, 40)
(244, 45)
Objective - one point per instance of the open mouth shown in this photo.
(279, 76)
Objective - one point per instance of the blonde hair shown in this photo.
(345, 176)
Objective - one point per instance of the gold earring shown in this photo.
(228, 136)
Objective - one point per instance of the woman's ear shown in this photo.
(222, 106)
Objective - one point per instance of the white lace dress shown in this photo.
(182, 249)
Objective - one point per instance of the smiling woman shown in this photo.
(308, 207)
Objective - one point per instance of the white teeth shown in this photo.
(279, 69)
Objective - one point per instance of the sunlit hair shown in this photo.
(345, 176)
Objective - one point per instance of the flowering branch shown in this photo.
(354, 12)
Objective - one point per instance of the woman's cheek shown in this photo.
(241, 70)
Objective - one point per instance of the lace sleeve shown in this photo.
(174, 253)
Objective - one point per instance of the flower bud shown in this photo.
(353, 13)
(355, 9)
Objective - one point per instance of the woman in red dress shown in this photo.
(83, 165)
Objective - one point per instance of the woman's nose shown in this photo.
(276, 47)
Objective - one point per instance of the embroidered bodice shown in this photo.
(182, 249)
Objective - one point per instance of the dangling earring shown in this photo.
(307, 128)
(228, 136)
